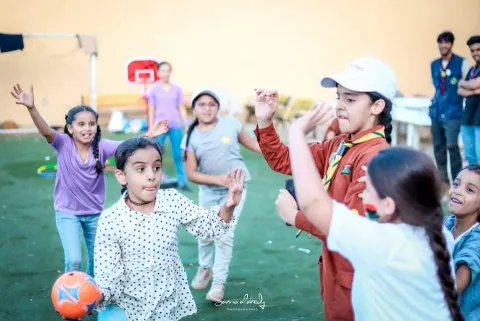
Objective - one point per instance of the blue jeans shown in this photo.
(471, 144)
(175, 135)
(112, 312)
(69, 228)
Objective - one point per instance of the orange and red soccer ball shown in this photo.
(75, 294)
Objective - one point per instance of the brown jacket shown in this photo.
(336, 272)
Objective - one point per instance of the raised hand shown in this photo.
(158, 129)
(22, 97)
(322, 115)
(266, 103)
(236, 179)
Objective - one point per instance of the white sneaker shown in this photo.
(216, 293)
(202, 279)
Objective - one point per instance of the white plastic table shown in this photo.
(412, 111)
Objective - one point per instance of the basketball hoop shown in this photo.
(144, 76)
(142, 71)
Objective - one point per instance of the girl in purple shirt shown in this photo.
(79, 184)
(166, 102)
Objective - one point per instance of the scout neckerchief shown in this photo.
(341, 150)
(444, 73)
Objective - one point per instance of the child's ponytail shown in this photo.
(385, 117)
(411, 179)
(189, 133)
(65, 128)
(438, 244)
(96, 140)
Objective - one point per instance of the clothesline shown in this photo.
(15, 42)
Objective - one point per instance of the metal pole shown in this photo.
(93, 81)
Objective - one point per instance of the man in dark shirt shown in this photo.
(470, 89)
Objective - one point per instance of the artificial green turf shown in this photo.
(31, 256)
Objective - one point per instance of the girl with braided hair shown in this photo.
(464, 223)
(401, 252)
(79, 192)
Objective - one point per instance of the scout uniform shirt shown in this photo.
(336, 273)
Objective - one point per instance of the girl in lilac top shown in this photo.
(166, 102)
(80, 184)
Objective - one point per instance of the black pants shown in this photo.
(445, 137)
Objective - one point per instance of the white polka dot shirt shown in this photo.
(137, 265)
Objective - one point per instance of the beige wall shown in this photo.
(236, 44)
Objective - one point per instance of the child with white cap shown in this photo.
(365, 91)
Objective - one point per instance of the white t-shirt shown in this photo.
(395, 273)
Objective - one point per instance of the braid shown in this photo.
(385, 117)
(437, 242)
(96, 140)
(65, 128)
(189, 133)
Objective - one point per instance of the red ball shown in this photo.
(75, 294)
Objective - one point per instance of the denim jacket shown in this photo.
(467, 251)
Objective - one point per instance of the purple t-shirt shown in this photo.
(79, 190)
(166, 103)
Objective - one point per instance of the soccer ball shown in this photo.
(75, 294)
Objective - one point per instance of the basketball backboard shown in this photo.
(142, 70)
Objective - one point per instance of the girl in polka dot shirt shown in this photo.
(138, 268)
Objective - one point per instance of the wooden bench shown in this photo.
(122, 102)
(132, 105)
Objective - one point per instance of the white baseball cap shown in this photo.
(366, 74)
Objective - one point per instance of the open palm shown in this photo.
(22, 97)
(159, 128)
(236, 179)
(322, 115)
(266, 103)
